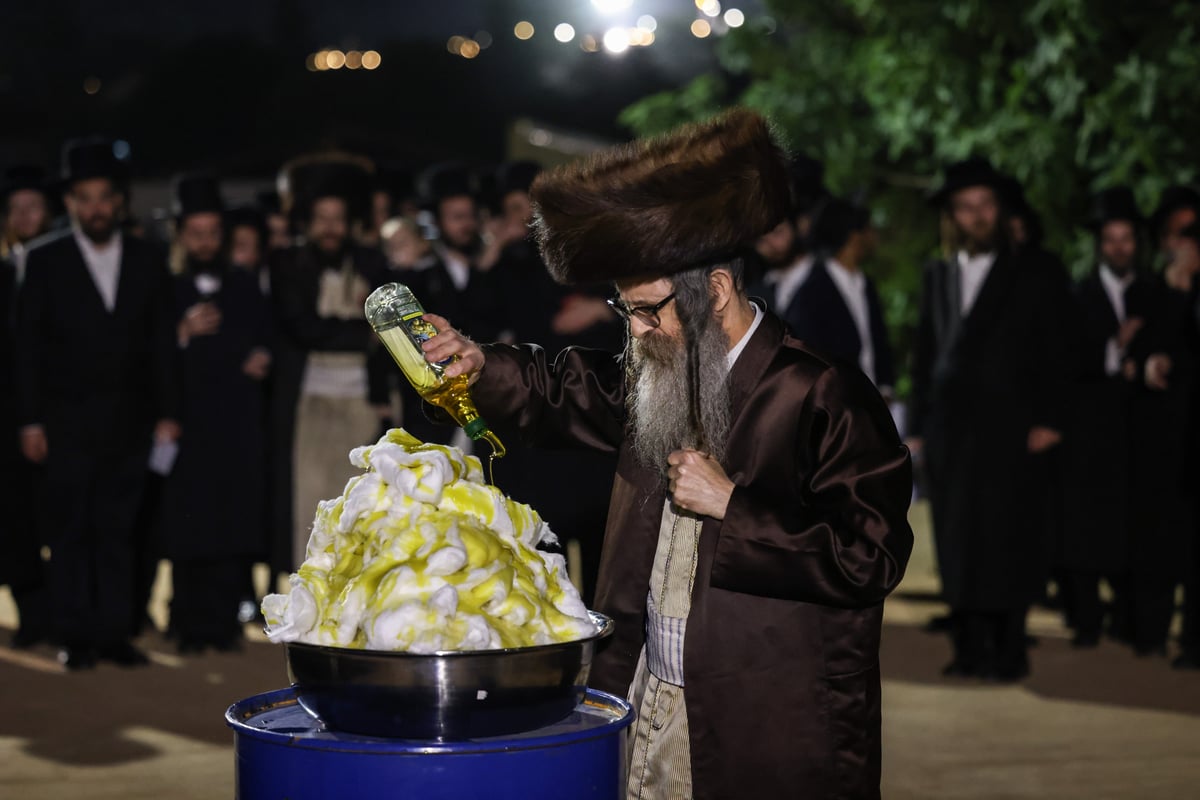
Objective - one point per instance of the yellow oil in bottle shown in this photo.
(397, 318)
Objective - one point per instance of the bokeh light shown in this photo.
(616, 40)
(701, 29)
(523, 30)
(564, 32)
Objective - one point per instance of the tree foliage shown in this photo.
(1069, 96)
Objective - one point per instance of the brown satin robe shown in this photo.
(781, 658)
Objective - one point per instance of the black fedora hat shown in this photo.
(975, 171)
(94, 157)
(196, 194)
(1117, 203)
(806, 178)
(516, 176)
(311, 178)
(24, 178)
(443, 181)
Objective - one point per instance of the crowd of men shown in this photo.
(194, 398)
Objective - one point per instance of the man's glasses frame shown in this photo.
(647, 314)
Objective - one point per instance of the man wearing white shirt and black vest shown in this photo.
(95, 350)
(836, 308)
(986, 409)
(1110, 313)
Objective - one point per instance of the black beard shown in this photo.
(470, 248)
(99, 234)
(198, 266)
(330, 258)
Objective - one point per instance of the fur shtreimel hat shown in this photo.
(695, 197)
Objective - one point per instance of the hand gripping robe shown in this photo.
(779, 667)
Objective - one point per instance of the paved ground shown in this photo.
(1098, 724)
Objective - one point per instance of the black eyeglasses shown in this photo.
(647, 314)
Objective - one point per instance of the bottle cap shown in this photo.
(476, 428)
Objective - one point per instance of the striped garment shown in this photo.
(660, 750)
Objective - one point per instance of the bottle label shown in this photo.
(421, 331)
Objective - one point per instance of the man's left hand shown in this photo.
(699, 484)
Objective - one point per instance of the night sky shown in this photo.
(223, 84)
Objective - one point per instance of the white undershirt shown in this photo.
(103, 263)
(787, 281)
(853, 288)
(732, 356)
(974, 271)
(1114, 287)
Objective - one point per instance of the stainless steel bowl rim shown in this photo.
(604, 628)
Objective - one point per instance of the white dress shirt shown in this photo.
(732, 356)
(1114, 287)
(104, 264)
(972, 271)
(852, 286)
(788, 281)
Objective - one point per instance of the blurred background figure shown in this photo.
(326, 401)
(213, 506)
(95, 373)
(836, 309)
(987, 394)
(781, 258)
(28, 210)
(1101, 516)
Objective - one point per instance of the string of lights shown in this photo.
(711, 19)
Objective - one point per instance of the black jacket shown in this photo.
(97, 380)
(819, 317)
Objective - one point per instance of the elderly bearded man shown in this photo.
(758, 514)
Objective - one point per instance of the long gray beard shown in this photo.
(659, 396)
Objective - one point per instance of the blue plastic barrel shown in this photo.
(283, 752)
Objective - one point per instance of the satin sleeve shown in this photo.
(843, 539)
(575, 401)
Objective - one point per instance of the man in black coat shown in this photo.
(213, 500)
(21, 565)
(986, 407)
(95, 350)
(837, 309)
(1110, 310)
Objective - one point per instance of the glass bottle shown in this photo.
(398, 319)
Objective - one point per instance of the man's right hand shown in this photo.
(1128, 330)
(202, 319)
(449, 343)
(33, 444)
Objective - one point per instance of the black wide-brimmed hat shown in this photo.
(697, 197)
(1173, 198)
(24, 178)
(308, 179)
(807, 177)
(443, 181)
(516, 176)
(1117, 203)
(95, 157)
(975, 171)
(196, 194)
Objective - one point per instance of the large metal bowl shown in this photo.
(443, 696)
